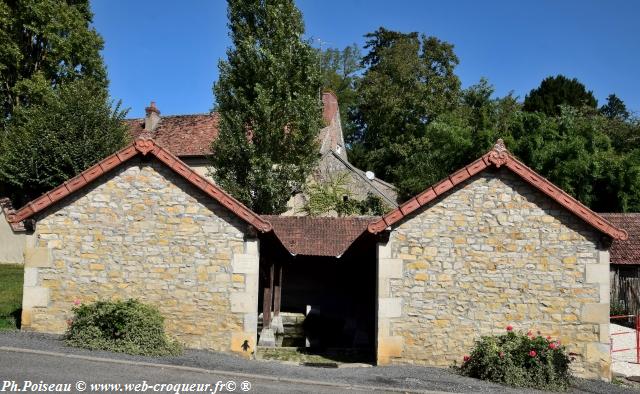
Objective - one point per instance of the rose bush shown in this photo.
(520, 360)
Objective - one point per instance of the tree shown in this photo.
(615, 108)
(556, 91)
(44, 44)
(339, 70)
(57, 118)
(269, 105)
(409, 82)
(70, 129)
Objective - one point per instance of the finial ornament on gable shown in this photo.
(144, 146)
(499, 155)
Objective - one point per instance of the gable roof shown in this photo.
(498, 157)
(317, 236)
(138, 147)
(182, 135)
(625, 251)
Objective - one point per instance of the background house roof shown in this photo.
(317, 236)
(625, 251)
(182, 135)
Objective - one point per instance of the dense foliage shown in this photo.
(519, 360)
(556, 91)
(333, 196)
(47, 143)
(268, 98)
(413, 125)
(57, 118)
(120, 326)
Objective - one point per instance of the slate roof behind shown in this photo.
(182, 135)
(627, 251)
(317, 236)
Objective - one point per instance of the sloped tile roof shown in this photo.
(625, 251)
(138, 147)
(317, 236)
(182, 135)
(499, 156)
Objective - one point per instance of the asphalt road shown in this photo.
(21, 368)
(35, 357)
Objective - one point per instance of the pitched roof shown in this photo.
(499, 156)
(317, 236)
(625, 251)
(192, 135)
(138, 147)
(182, 135)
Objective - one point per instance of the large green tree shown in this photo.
(70, 129)
(44, 44)
(408, 83)
(340, 73)
(57, 118)
(556, 91)
(269, 105)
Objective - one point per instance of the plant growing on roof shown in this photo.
(268, 100)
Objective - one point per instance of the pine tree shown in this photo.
(268, 100)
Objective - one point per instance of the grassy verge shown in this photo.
(10, 296)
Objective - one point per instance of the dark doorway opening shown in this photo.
(327, 304)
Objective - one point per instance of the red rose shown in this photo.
(466, 358)
(509, 327)
(548, 338)
(529, 334)
(552, 345)
(533, 353)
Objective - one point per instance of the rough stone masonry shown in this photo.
(144, 232)
(492, 252)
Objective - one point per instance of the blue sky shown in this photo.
(168, 51)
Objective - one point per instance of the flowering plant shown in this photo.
(519, 359)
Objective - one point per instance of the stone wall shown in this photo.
(144, 232)
(11, 243)
(492, 252)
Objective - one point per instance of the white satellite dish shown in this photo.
(370, 175)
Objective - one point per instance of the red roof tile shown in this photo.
(499, 156)
(138, 147)
(182, 135)
(192, 135)
(317, 236)
(625, 251)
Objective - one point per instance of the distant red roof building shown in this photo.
(625, 251)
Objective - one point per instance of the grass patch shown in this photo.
(11, 277)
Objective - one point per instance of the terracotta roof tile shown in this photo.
(317, 236)
(625, 251)
(138, 147)
(182, 135)
(499, 156)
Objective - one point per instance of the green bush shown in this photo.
(519, 360)
(120, 326)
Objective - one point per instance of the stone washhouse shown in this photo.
(493, 244)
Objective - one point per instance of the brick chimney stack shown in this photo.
(152, 117)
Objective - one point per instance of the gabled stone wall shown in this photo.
(144, 232)
(492, 252)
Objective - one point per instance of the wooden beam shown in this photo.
(268, 297)
(277, 290)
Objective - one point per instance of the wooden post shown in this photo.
(267, 302)
(277, 290)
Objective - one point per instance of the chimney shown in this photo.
(152, 117)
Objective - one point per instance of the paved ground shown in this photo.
(52, 362)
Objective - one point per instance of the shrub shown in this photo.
(519, 360)
(120, 326)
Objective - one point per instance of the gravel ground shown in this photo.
(408, 377)
(624, 363)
